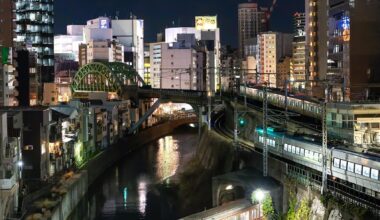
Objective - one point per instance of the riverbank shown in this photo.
(71, 190)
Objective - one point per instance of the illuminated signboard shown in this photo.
(345, 25)
(103, 24)
(206, 22)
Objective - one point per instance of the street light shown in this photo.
(258, 195)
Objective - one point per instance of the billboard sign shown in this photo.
(206, 22)
(104, 24)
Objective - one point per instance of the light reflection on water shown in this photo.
(167, 158)
(128, 190)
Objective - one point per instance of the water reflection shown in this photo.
(167, 158)
(129, 190)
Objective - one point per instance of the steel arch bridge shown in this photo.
(105, 77)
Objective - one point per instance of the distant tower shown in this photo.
(252, 21)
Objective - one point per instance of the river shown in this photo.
(140, 185)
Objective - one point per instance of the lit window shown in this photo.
(358, 169)
(343, 164)
(366, 171)
(375, 174)
(350, 167)
(336, 162)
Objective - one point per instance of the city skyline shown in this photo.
(168, 12)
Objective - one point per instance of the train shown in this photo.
(298, 103)
(357, 168)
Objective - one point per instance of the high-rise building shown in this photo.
(316, 45)
(298, 62)
(101, 51)
(252, 21)
(155, 63)
(272, 46)
(34, 29)
(353, 50)
(6, 23)
(130, 34)
(147, 78)
(207, 33)
(67, 46)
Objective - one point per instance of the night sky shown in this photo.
(158, 14)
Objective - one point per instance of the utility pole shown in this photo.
(324, 142)
(236, 122)
(265, 125)
(245, 89)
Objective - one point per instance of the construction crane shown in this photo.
(271, 9)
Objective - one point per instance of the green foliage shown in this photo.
(268, 209)
(292, 206)
(303, 210)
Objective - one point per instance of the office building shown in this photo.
(283, 71)
(353, 50)
(100, 51)
(272, 46)
(34, 30)
(207, 33)
(130, 34)
(252, 21)
(147, 78)
(316, 45)
(297, 78)
(98, 29)
(66, 46)
(155, 64)
(178, 64)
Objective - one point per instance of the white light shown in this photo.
(229, 187)
(192, 125)
(20, 163)
(259, 195)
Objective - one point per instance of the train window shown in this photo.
(358, 169)
(343, 164)
(375, 174)
(366, 171)
(316, 156)
(302, 152)
(285, 147)
(293, 149)
(336, 162)
(350, 167)
(307, 153)
(320, 157)
(298, 150)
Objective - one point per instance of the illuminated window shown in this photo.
(350, 167)
(374, 174)
(358, 169)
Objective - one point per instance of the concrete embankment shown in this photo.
(76, 186)
(214, 156)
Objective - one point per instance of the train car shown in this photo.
(357, 168)
(300, 104)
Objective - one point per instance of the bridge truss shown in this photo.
(105, 77)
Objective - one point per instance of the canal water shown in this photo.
(140, 186)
